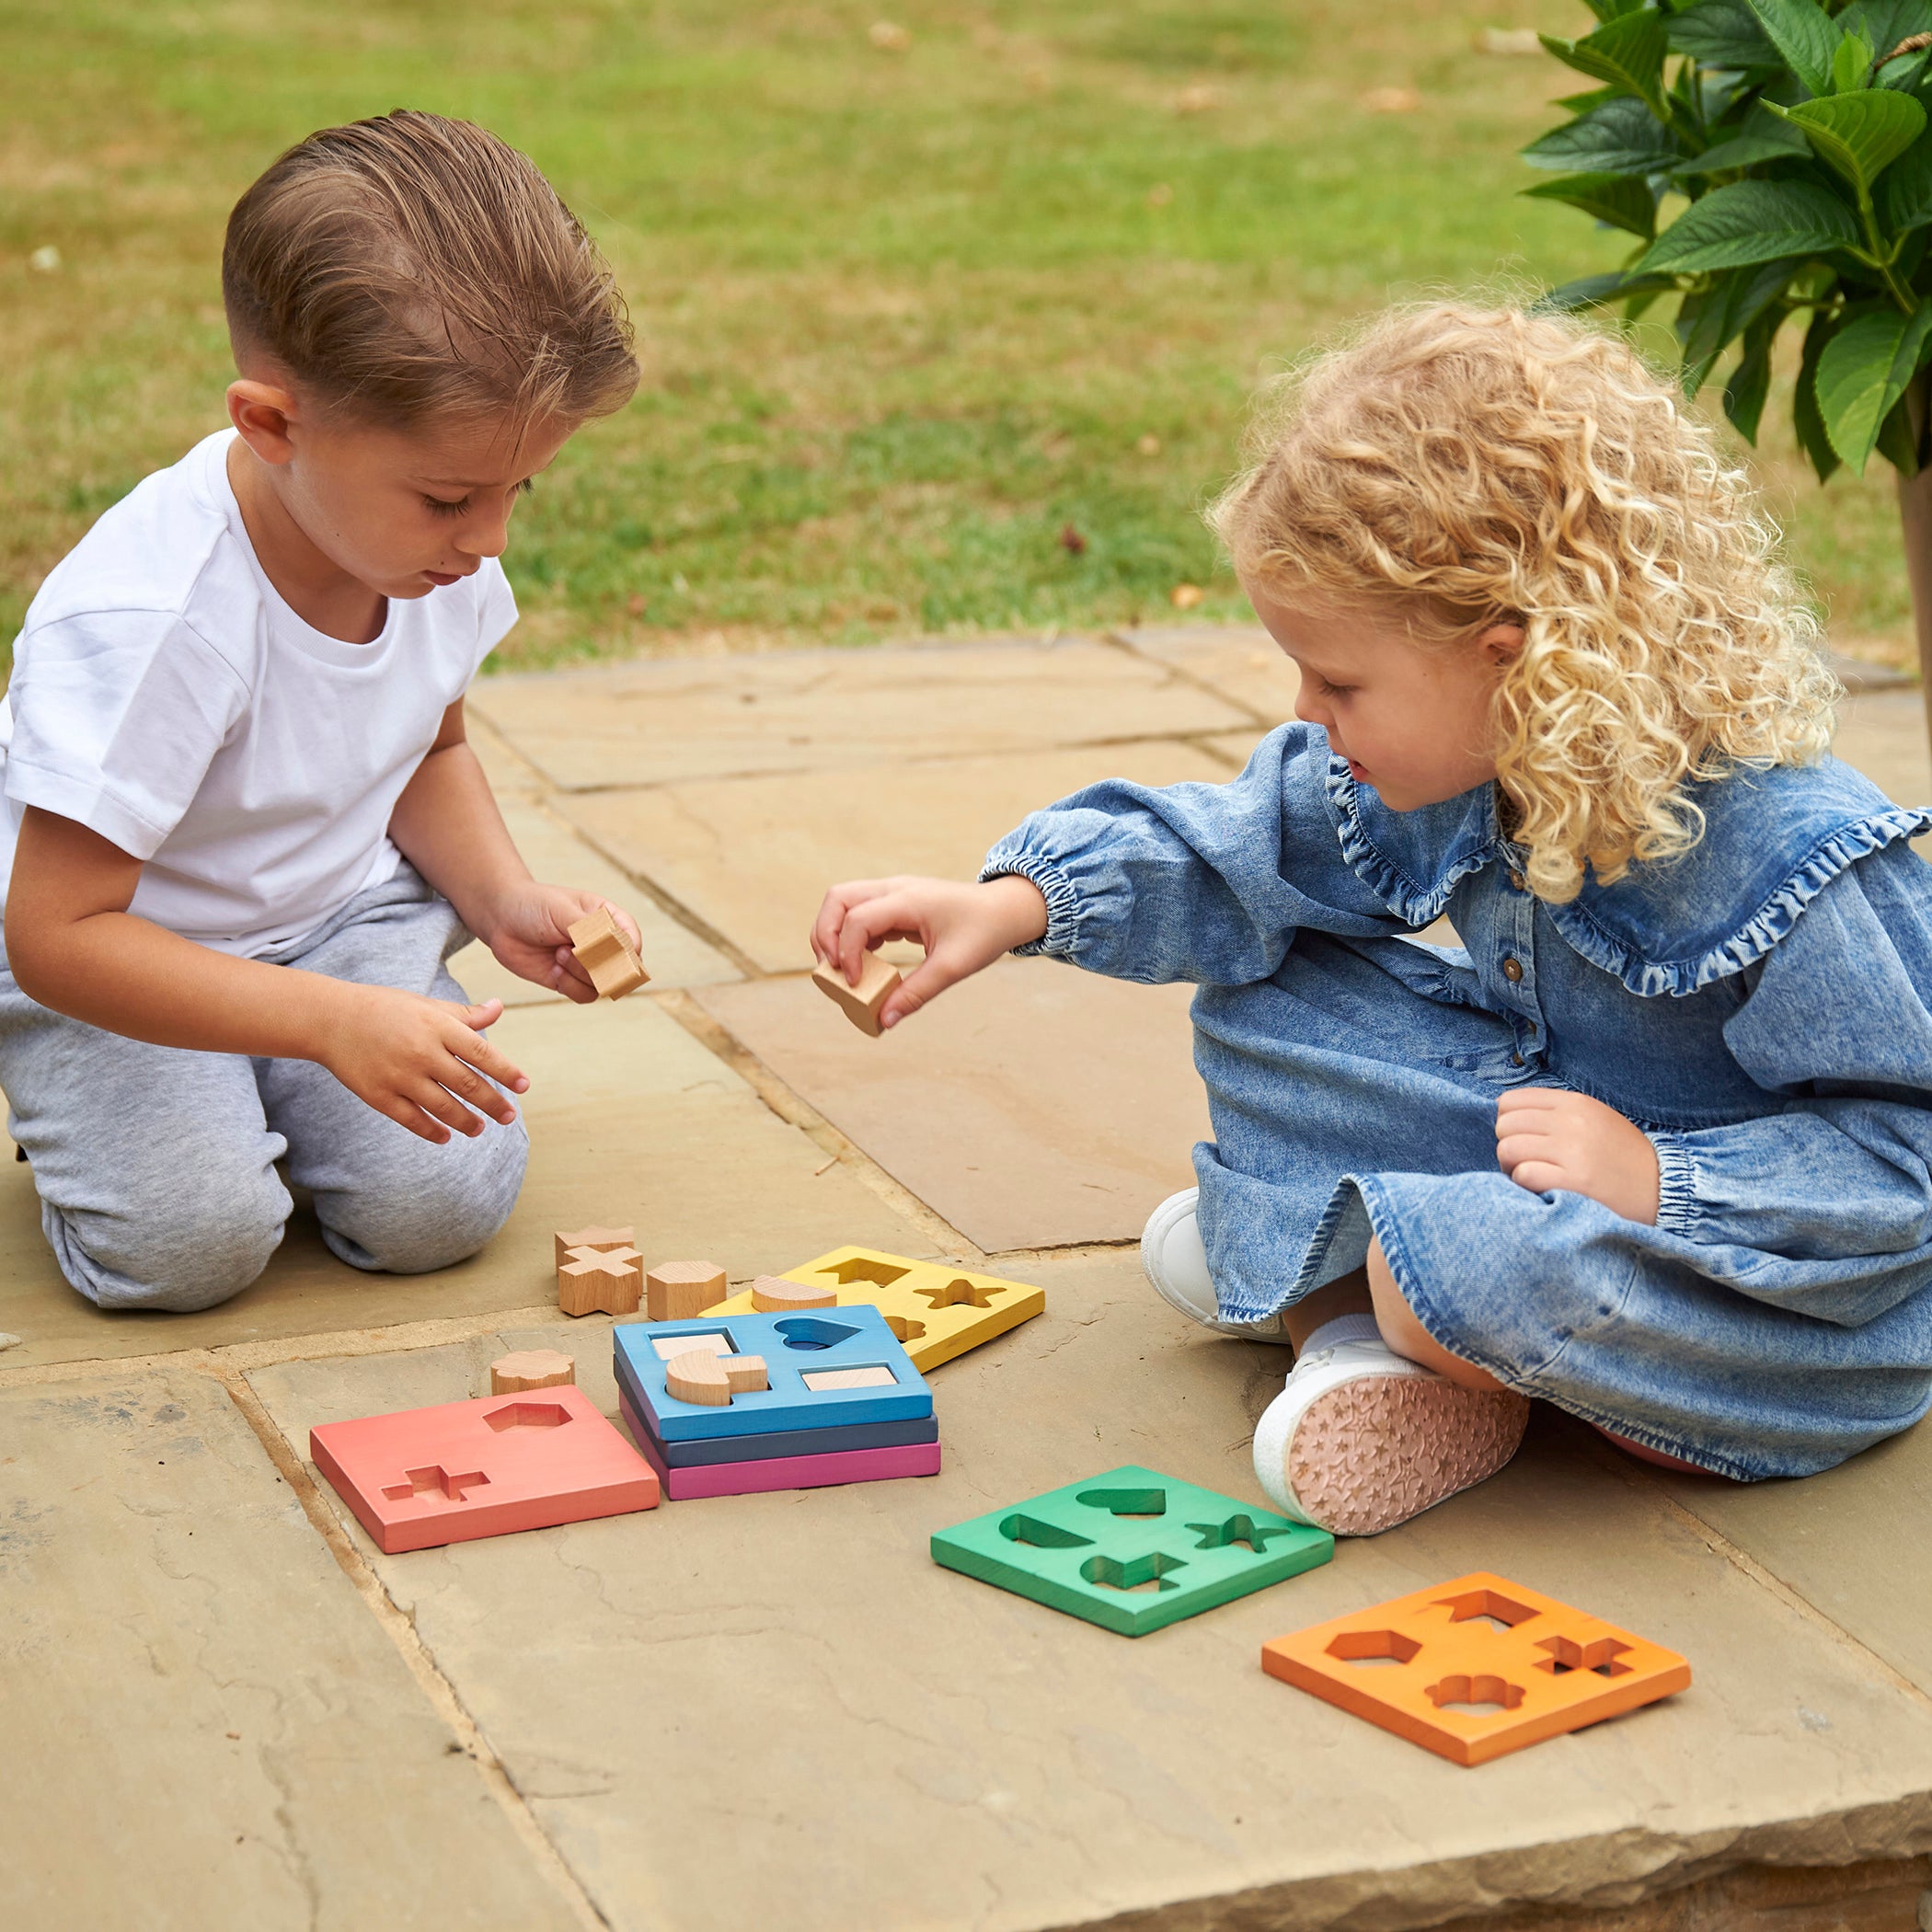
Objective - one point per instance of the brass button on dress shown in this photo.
(1512, 969)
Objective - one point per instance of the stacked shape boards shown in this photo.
(844, 1403)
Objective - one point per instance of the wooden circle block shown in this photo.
(771, 1294)
(532, 1368)
(678, 1290)
(746, 1373)
(700, 1377)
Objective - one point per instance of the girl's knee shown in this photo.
(1402, 1330)
(192, 1249)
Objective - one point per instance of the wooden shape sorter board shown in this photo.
(1476, 1667)
(791, 1345)
(815, 1471)
(937, 1310)
(1131, 1550)
(461, 1470)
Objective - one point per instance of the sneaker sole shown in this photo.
(1380, 1449)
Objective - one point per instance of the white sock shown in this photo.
(1344, 1328)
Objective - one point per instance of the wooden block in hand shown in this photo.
(606, 955)
(746, 1373)
(700, 1376)
(771, 1294)
(591, 1282)
(602, 1238)
(532, 1368)
(678, 1290)
(877, 981)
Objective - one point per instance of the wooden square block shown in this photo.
(860, 1004)
(676, 1291)
(935, 1310)
(606, 955)
(1476, 1667)
(534, 1368)
(462, 1470)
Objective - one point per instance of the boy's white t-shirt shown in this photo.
(166, 697)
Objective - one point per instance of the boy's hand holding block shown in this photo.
(876, 983)
(606, 955)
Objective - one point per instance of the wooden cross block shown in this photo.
(679, 1291)
(532, 1368)
(746, 1373)
(606, 955)
(860, 1004)
(700, 1376)
(602, 1238)
(771, 1294)
(592, 1282)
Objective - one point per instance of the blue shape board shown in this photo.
(779, 1441)
(793, 1346)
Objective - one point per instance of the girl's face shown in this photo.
(1415, 722)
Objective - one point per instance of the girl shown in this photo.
(1654, 1142)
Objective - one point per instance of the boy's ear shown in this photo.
(262, 414)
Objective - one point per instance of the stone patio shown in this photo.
(220, 1706)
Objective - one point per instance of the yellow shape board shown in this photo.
(937, 1311)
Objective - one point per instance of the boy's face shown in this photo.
(1416, 723)
(400, 511)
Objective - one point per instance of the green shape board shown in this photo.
(1132, 1550)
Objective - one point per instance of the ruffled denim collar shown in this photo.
(1772, 840)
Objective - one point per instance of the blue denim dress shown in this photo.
(1759, 1006)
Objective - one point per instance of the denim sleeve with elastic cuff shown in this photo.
(1206, 883)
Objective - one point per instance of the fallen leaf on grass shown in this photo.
(1159, 195)
(1072, 542)
(1149, 445)
(1197, 100)
(1392, 100)
(45, 260)
(1509, 40)
(889, 37)
(1185, 596)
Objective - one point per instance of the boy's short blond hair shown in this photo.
(1460, 466)
(411, 267)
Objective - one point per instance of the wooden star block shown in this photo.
(532, 1368)
(602, 1238)
(606, 955)
(676, 1291)
(860, 1004)
(594, 1284)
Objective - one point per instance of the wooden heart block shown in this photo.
(606, 955)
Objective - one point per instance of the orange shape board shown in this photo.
(1476, 1667)
(461, 1470)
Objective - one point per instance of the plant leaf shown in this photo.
(1612, 10)
(1858, 135)
(1905, 194)
(1589, 291)
(1804, 35)
(1885, 23)
(1710, 323)
(1750, 382)
(1764, 136)
(1628, 53)
(1896, 443)
(1721, 33)
(1863, 371)
(1751, 222)
(1851, 62)
(1805, 418)
(1622, 200)
(1622, 137)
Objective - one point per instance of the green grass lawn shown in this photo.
(906, 316)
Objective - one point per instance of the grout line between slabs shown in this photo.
(402, 1632)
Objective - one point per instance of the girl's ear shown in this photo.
(1502, 643)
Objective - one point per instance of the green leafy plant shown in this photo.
(1773, 161)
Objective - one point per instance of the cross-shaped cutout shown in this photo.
(1239, 1529)
(435, 1481)
(959, 1291)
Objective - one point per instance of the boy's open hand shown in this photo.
(1548, 1137)
(963, 927)
(418, 1060)
(531, 935)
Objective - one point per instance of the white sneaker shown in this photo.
(1361, 1439)
(1175, 1260)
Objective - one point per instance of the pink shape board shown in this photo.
(422, 1477)
(782, 1472)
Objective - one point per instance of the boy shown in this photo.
(243, 829)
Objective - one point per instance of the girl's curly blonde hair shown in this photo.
(1470, 466)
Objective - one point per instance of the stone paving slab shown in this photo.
(753, 856)
(656, 721)
(1033, 1105)
(701, 1703)
(204, 1726)
(1240, 662)
(673, 954)
(631, 1120)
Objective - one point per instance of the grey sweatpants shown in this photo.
(155, 1166)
